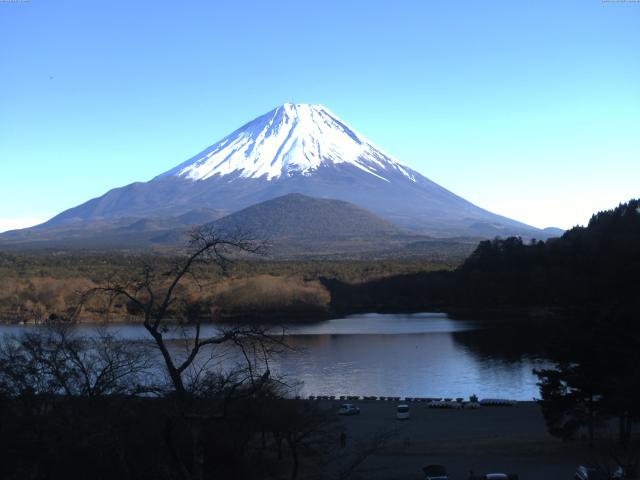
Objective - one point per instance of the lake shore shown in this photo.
(312, 315)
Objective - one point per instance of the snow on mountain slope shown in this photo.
(295, 148)
(291, 139)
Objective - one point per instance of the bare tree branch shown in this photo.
(156, 298)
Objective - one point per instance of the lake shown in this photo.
(415, 355)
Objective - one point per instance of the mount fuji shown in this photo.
(294, 148)
(290, 140)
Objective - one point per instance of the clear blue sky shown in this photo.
(529, 109)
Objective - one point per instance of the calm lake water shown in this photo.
(416, 355)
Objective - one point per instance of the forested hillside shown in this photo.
(596, 266)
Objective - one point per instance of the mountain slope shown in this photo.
(294, 149)
(296, 216)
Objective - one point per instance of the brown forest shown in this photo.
(35, 288)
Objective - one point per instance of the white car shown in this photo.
(348, 409)
(402, 412)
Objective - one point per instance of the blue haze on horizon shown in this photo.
(528, 109)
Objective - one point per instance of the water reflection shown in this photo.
(509, 341)
(423, 364)
(376, 323)
(417, 355)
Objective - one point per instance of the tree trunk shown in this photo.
(278, 438)
(197, 464)
(294, 457)
(625, 425)
(591, 425)
(174, 374)
(168, 437)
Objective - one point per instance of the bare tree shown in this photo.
(212, 400)
(56, 360)
(157, 298)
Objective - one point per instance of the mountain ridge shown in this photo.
(295, 148)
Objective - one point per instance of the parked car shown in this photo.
(402, 412)
(435, 472)
(348, 409)
(597, 473)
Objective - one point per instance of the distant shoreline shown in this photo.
(314, 315)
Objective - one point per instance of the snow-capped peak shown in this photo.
(293, 139)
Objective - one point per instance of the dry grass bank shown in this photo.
(34, 287)
(36, 299)
(269, 295)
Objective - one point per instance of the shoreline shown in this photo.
(533, 314)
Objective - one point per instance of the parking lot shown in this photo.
(490, 439)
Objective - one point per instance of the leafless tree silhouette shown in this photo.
(156, 297)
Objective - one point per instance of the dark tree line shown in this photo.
(588, 268)
(593, 266)
(592, 392)
(596, 377)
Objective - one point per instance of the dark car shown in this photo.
(349, 409)
(435, 472)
